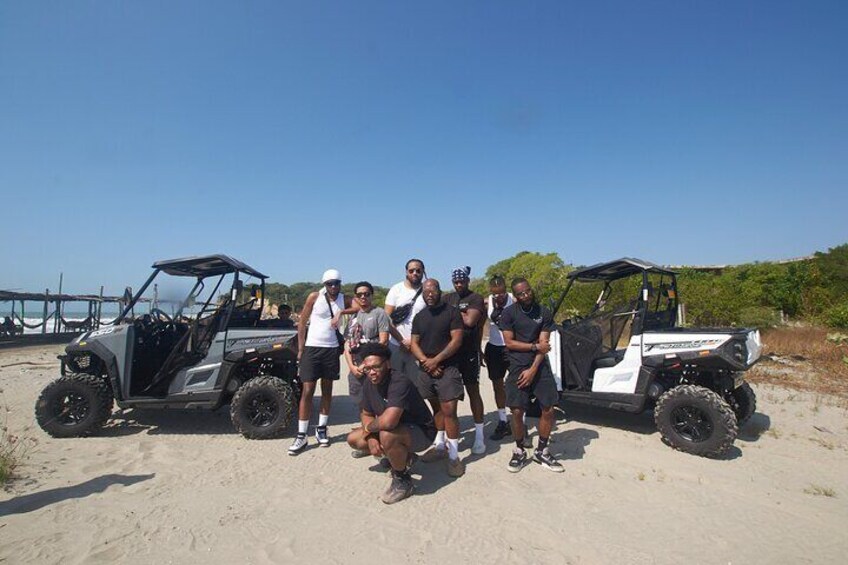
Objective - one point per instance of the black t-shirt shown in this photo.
(525, 327)
(434, 326)
(397, 391)
(471, 301)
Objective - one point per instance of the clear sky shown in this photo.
(298, 136)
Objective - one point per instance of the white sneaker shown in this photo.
(479, 447)
(298, 445)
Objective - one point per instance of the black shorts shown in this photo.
(543, 388)
(319, 363)
(468, 364)
(445, 388)
(496, 361)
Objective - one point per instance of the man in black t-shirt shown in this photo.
(527, 327)
(471, 308)
(395, 419)
(436, 338)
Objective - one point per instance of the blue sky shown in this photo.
(298, 136)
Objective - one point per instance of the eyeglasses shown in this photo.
(524, 293)
(363, 294)
(333, 283)
(369, 368)
(411, 271)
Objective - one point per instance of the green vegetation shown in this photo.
(813, 290)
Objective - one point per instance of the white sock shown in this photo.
(524, 418)
(502, 414)
(302, 426)
(478, 433)
(323, 419)
(453, 449)
(440, 439)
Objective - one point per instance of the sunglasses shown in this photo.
(333, 283)
(363, 294)
(524, 293)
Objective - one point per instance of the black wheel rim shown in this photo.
(70, 409)
(262, 410)
(692, 423)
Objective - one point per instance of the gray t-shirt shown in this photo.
(365, 327)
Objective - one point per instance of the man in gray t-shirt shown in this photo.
(369, 325)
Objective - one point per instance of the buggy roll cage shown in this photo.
(619, 269)
(201, 267)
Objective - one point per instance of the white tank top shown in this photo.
(321, 333)
(495, 333)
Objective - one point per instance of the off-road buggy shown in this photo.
(628, 354)
(208, 352)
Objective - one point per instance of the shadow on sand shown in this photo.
(30, 502)
(205, 422)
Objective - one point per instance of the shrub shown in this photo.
(837, 316)
(759, 317)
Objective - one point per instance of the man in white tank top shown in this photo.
(495, 355)
(318, 355)
(405, 295)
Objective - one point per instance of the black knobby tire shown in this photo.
(74, 406)
(262, 408)
(743, 401)
(696, 420)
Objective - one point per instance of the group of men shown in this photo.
(424, 348)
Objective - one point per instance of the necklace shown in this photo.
(526, 311)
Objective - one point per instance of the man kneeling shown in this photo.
(395, 419)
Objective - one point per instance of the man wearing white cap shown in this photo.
(318, 355)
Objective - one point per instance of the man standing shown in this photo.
(470, 306)
(497, 361)
(318, 356)
(527, 327)
(436, 338)
(395, 420)
(369, 325)
(403, 302)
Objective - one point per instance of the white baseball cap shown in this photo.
(331, 275)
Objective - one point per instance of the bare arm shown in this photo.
(451, 348)
(354, 368)
(389, 420)
(301, 322)
(415, 347)
(384, 338)
(471, 317)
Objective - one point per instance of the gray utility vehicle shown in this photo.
(628, 354)
(209, 351)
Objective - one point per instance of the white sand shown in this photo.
(175, 487)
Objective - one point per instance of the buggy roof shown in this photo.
(618, 269)
(205, 266)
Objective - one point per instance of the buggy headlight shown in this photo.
(739, 353)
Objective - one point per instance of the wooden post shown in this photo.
(100, 307)
(23, 317)
(44, 315)
(59, 304)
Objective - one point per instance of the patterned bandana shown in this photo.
(461, 274)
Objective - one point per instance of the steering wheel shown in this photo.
(161, 315)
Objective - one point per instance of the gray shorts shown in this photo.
(354, 387)
(444, 389)
(403, 361)
(543, 388)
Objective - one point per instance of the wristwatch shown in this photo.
(533, 348)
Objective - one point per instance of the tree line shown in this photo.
(754, 294)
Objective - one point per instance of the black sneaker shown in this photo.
(321, 436)
(501, 431)
(400, 488)
(519, 459)
(546, 459)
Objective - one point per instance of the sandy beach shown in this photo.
(181, 487)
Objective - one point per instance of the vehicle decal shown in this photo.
(694, 344)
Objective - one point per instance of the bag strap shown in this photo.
(417, 294)
(329, 304)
